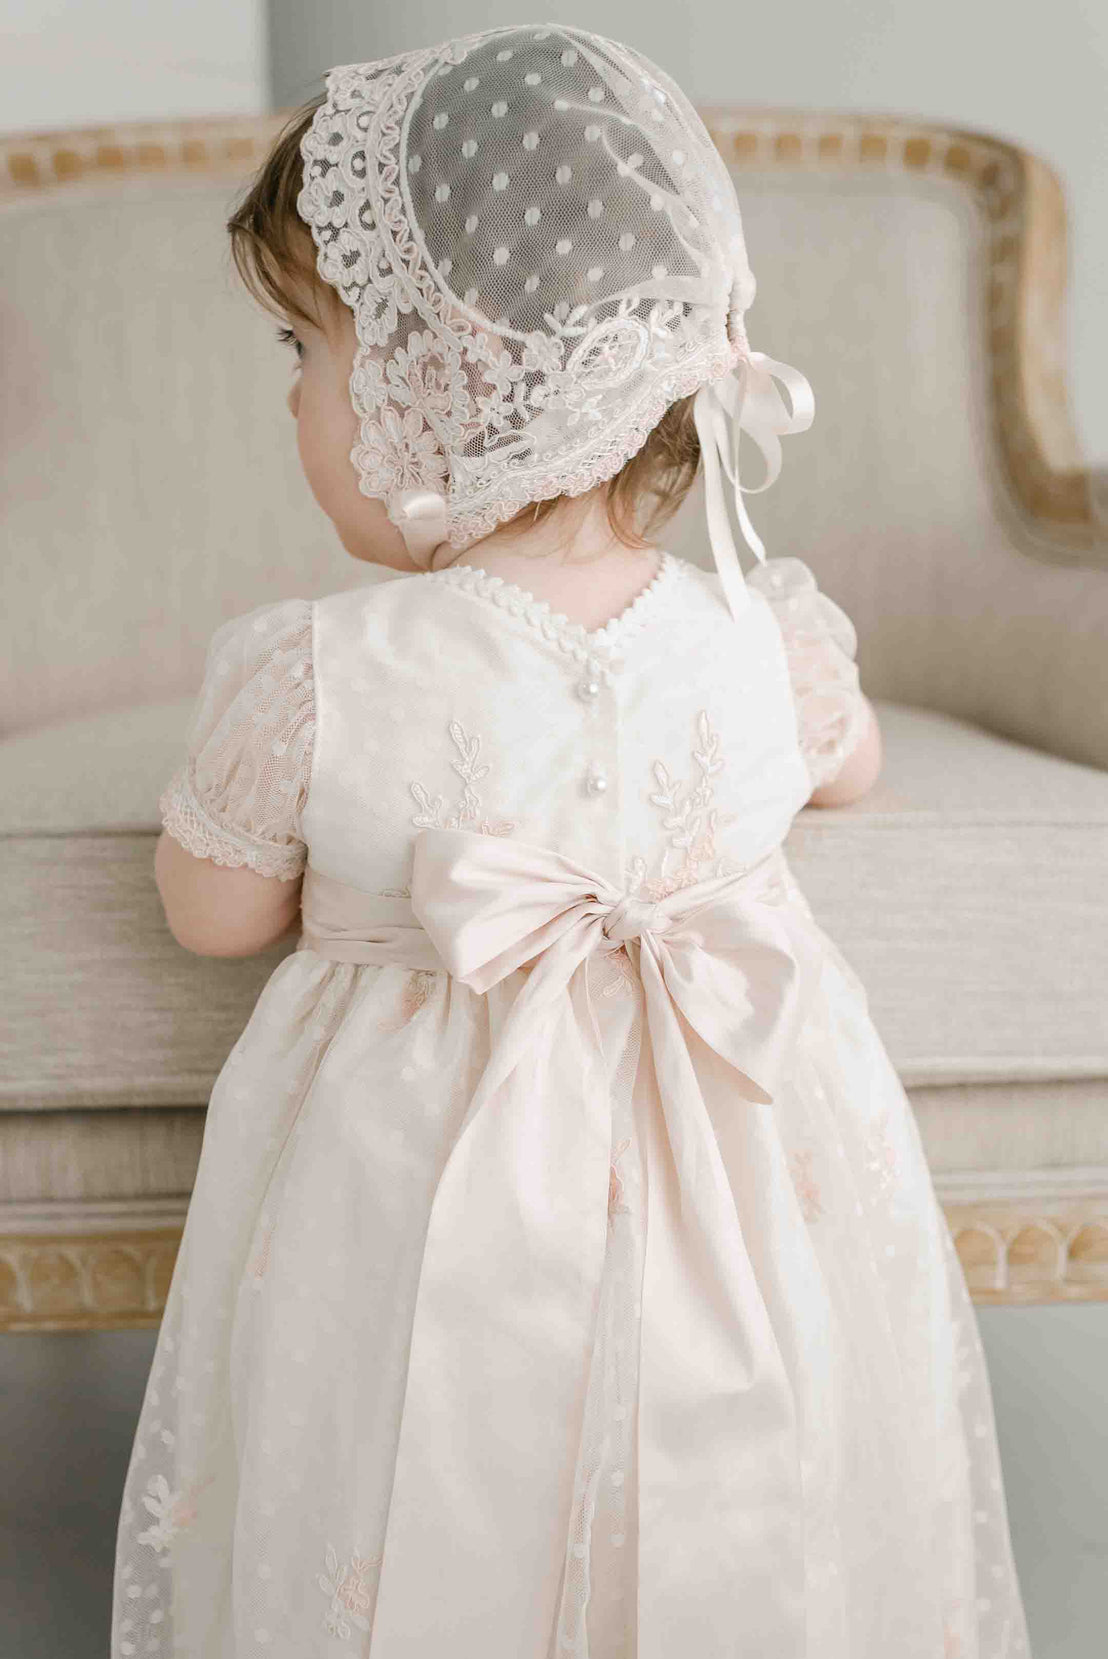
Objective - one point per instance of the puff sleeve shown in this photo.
(238, 795)
(820, 643)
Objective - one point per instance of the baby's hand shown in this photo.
(859, 771)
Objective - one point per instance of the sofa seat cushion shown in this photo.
(967, 890)
(131, 1168)
(101, 1007)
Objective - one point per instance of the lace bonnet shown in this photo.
(542, 250)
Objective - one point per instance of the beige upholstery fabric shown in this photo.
(148, 470)
(97, 1158)
(150, 481)
(894, 495)
(982, 937)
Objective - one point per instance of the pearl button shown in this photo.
(596, 783)
(588, 689)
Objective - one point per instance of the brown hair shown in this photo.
(274, 254)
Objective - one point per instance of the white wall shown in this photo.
(1010, 67)
(71, 63)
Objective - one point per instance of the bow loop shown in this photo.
(420, 516)
(733, 963)
(745, 400)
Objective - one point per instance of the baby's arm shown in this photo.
(230, 862)
(859, 771)
(218, 910)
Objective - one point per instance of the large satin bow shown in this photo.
(513, 1256)
(745, 400)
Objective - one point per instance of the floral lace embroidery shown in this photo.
(417, 987)
(467, 814)
(351, 1600)
(806, 1185)
(882, 1159)
(616, 1189)
(692, 819)
(172, 1511)
(621, 973)
(185, 819)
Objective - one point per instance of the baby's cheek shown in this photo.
(324, 436)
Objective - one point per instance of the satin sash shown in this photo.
(504, 1318)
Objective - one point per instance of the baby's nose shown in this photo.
(293, 399)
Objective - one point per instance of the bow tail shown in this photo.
(745, 400)
(501, 1341)
(721, 1545)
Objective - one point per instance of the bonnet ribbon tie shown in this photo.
(491, 1410)
(420, 516)
(744, 400)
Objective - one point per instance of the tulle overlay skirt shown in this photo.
(256, 1502)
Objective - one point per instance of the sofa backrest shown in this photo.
(150, 485)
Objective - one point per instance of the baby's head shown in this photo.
(506, 265)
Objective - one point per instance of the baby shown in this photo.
(586, 555)
(562, 1273)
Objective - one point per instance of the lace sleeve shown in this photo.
(238, 796)
(820, 643)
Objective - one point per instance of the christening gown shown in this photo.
(562, 1274)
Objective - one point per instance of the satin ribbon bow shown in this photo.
(420, 516)
(745, 400)
(508, 1287)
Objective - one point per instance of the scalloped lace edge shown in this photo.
(477, 515)
(555, 625)
(189, 824)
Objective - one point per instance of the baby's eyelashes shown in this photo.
(288, 338)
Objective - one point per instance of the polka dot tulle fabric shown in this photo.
(542, 249)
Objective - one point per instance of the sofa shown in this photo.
(150, 490)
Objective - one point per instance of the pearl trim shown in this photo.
(581, 643)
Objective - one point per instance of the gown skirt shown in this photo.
(785, 1445)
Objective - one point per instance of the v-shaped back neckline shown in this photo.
(555, 625)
